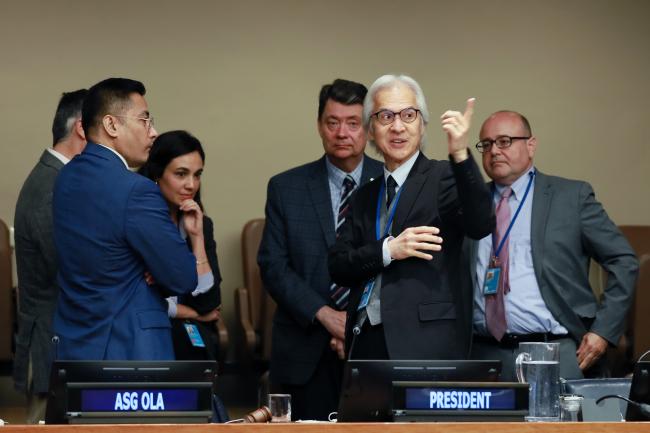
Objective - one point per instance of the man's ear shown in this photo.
(531, 146)
(78, 129)
(110, 125)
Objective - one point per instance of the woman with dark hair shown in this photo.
(176, 163)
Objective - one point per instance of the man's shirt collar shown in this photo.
(401, 173)
(336, 175)
(118, 155)
(518, 186)
(58, 155)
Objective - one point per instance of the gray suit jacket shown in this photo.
(36, 269)
(568, 228)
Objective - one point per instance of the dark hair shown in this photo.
(111, 96)
(165, 148)
(342, 91)
(67, 112)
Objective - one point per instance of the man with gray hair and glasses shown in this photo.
(408, 298)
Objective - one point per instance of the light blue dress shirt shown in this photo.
(526, 311)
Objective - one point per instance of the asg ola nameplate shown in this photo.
(128, 400)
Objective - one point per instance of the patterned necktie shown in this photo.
(338, 293)
(495, 311)
(391, 185)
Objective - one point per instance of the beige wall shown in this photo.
(243, 76)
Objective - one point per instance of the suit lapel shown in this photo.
(319, 192)
(409, 196)
(367, 170)
(541, 205)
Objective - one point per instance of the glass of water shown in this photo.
(280, 405)
(538, 365)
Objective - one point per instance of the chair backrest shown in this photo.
(6, 296)
(638, 318)
(261, 304)
(596, 388)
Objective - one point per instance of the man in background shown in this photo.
(36, 257)
(542, 292)
(304, 209)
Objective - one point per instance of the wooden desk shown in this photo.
(478, 427)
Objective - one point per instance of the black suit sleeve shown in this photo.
(465, 199)
(208, 301)
(351, 260)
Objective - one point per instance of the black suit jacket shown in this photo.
(421, 301)
(202, 304)
(293, 262)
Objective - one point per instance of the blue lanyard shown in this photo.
(512, 221)
(380, 200)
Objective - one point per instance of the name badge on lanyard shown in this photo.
(194, 335)
(491, 281)
(367, 290)
(493, 272)
(365, 296)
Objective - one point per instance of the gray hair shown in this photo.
(386, 81)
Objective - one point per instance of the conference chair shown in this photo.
(6, 295)
(221, 333)
(638, 318)
(635, 340)
(596, 388)
(254, 306)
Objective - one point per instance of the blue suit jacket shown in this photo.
(110, 226)
(293, 262)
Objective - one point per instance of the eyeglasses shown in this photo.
(386, 117)
(502, 142)
(148, 121)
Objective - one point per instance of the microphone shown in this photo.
(356, 330)
(643, 407)
(361, 319)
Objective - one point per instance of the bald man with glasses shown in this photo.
(531, 277)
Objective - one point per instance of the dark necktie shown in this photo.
(338, 293)
(391, 186)
(495, 312)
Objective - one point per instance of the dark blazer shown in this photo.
(421, 301)
(110, 226)
(202, 304)
(299, 230)
(569, 227)
(36, 270)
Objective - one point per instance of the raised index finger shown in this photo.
(469, 109)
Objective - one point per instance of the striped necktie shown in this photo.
(338, 293)
(495, 312)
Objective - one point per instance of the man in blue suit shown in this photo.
(110, 226)
(304, 206)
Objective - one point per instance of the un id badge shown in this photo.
(491, 281)
(193, 333)
(365, 296)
